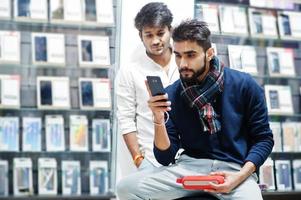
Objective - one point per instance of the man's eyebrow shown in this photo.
(185, 52)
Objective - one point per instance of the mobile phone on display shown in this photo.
(87, 93)
(258, 22)
(274, 99)
(46, 92)
(40, 49)
(275, 62)
(286, 24)
(155, 85)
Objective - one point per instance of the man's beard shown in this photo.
(193, 80)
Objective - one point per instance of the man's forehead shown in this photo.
(153, 28)
(186, 46)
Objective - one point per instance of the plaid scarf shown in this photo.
(200, 96)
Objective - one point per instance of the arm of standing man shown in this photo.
(131, 142)
(126, 109)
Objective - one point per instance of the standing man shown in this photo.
(153, 22)
(216, 114)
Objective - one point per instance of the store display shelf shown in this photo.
(60, 197)
(297, 115)
(26, 153)
(54, 67)
(281, 195)
(254, 40)
(267, 77)
(56, 110)
(286, 155)
(49, 26)
(241, 2)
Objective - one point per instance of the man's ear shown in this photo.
(140, 35)
(210, 53)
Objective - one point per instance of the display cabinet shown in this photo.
(57, 63)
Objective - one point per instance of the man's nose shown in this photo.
(183, 63)
(156, 40)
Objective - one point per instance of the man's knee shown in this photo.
(122, 187)
(126, 187)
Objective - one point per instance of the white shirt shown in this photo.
(133, 112)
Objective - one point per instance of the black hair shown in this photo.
(193, 30)
(153, 14)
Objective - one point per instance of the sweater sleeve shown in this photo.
(167, 156)
(260, 134)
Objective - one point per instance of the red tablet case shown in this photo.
(199, 182)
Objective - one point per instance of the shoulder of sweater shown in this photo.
(173, 89)
(240, 80)
(232, 76)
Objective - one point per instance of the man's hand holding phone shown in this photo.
(158, 101)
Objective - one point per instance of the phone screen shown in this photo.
(286, 24)
(23, 8)
(275, 65)
(87, 93)
(90, 10)
(41, 48)
(46, 92)
(274, 99)
(258, 22)
(155, 85)
(87, 52)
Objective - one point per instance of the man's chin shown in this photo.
(188, 80)
(155, 53)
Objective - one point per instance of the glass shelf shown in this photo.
(48, 26)
(245, 3)
(256, 40)
(277, 77)
(286, 155)
(22, 153)
(35, 109)
(285, 115)
(240, 2)
(292, 195)
(49, 66)
(60, 197)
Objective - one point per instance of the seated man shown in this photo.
(216, 114)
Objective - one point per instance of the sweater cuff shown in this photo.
(163, 157)
(255, 159)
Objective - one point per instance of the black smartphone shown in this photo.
(46, 92)
(155, 85)
(87, 93)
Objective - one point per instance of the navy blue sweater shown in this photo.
(245, 134)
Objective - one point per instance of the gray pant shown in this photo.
(160, 183)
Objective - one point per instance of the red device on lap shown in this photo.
(199, 182)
